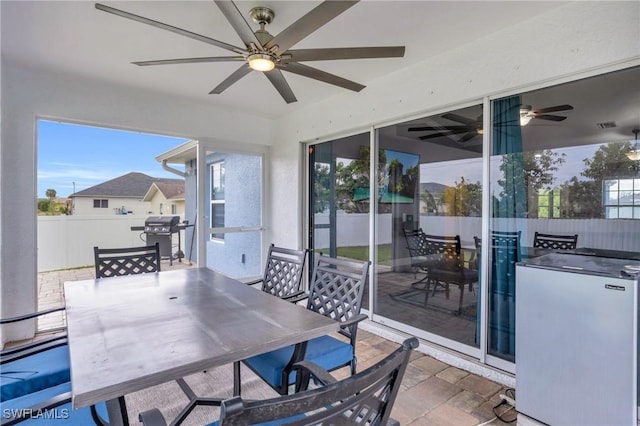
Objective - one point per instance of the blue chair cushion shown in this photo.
(62, 414)
(326, 351)
(34, 372)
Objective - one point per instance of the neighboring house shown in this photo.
(122, 195)
(166, 198)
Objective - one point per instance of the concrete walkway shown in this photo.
(432, 392)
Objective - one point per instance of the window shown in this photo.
(174, 209)
(622, 198)
(548, 204)
(217, 198)
(100, 204)
(161, 208)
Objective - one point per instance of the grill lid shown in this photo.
(161, 224)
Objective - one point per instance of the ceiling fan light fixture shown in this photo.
(261, 62)
(634, 153)
(525, 117)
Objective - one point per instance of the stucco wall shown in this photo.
(580, 37)
(28, 94)
(84, 206)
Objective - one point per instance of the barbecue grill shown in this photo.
(160, 229)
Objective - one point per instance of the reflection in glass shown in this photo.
(429, 206)
(561, 175)
(339, 199)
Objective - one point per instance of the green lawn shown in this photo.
(362, 253)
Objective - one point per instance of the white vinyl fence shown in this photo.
(614, 234)
(67, 241)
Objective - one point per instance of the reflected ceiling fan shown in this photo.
(472, 128)
(268, 54)
(527, 113)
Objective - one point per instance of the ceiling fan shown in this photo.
(472, 128)
(271, 54)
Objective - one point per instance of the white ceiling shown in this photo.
(74, 37)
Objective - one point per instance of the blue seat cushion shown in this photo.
(326, 351)
(62, 414)
(34, 372)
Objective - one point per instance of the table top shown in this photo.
(132, 332)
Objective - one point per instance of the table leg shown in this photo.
(236, 378)
(117, 410)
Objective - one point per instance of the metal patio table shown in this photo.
(133, 332)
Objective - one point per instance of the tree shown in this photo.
(586, 196)
(321, 191)
(51, 194)
(538, 168)
(354, 177)
(43, 205)
(463, 199)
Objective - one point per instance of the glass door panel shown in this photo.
(339, 201)
(429, 207)
(560, 165)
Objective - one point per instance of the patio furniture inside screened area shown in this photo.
(463, 397)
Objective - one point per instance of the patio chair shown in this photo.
(33, 366)
(418, 253)
(113, 262)
(555, 242)
(51, 405)
(444, 264)
(365, 398)
(283, 273)
(336, 291)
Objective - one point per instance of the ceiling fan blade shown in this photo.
(237, 21)
(190, 60)
(310, 22)
(441, 134)
(453, 144)
(550, 117)
(468, 137)
(235, 76)
(460, 119)
(556, 108)
(302, 55)
(171, 28)
(462, 129)
(320, 75)
(277, 79)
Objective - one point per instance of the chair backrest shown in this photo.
(365, 398)
(555, 242)
(437, 248)
(416, 243)
(113, 262)
(337, 287)
(505, 246)
(283, 271)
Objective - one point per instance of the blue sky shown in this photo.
(88, 156)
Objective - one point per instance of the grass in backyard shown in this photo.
(362, 253)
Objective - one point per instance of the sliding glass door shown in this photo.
(455, 200)
(429, 206)
(338, 198)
